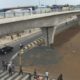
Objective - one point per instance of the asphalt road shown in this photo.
(39, 56)
(15, 44)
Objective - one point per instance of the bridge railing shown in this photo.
(26, 13)
(13, 14)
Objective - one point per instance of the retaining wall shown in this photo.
(66, 25)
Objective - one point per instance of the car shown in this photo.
(1, 52)
(6, 49)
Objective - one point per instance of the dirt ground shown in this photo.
(68, 44)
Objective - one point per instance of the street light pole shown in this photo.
(40, 6)
(20, 61)
(55, 2)
(39, 2)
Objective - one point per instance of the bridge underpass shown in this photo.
(49, 23)
(57, 68)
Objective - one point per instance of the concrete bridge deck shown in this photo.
(49, 23)
(33, 16)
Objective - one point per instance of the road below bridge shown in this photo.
(63, 58)
(25, 40)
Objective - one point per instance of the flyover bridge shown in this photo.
(50, 23)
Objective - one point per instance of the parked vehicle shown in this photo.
(6, 49)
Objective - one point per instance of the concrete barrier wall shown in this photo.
(66, 25)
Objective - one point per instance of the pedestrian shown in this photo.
(37, 77)
(30, 76)
(60, 77)
(13, 67)
(3, 65)
(10, 69)
(21, 46)
(35, 74)
(46, 75)
(40, 78)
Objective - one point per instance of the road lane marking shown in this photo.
(10, 78)
(26, 77)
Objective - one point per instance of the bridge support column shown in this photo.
(48, 35)
(78, 16)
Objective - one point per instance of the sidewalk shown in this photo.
(8, 40)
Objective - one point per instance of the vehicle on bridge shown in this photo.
(5, 49)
